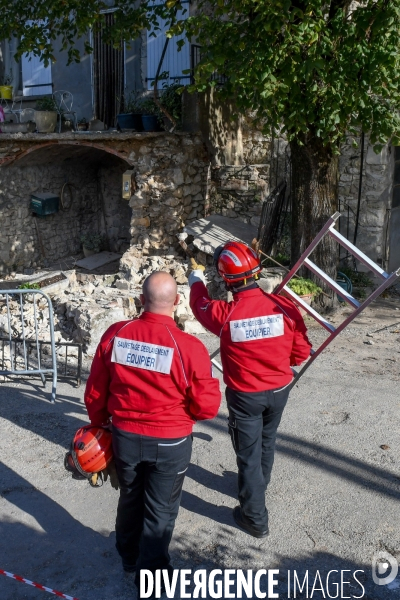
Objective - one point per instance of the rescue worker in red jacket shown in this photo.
(155, 382)
(261, 335)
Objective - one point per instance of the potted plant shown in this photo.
(131, 117)
(151, 117)
(305, 288)
(46, 115)
(82, 124)
(6, 89)
(92, 243)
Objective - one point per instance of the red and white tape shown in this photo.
(36, 585)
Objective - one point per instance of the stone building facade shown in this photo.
(169, 172)
(176, 178)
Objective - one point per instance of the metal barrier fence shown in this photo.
(59, 345)
(20, 312)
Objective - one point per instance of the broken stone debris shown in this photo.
(91, 303)
(94, 302)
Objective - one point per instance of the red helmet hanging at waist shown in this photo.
(237, 261)
(91, 451)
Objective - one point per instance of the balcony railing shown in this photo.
(195, 58)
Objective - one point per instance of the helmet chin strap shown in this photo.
(239, 286)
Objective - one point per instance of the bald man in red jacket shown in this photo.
(155, 382)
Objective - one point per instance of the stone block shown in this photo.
(192, 214)
(129, 306)
(227, 212)
(195, 189)
(122, 284)
(130, 260)
(88, 289)
(179, 274)
(270, 279)
(235, 184)
(377, 159)
(138, 200)
(92, 321)
(142, 222)
(193, 327)
(178, 193)
(177, 177)
(172, 201)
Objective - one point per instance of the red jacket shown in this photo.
(261, 336)
(152, 378)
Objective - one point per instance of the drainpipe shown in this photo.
(359, 189)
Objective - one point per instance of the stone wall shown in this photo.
(169, 173)
(90, 202)
(376, 197)
(238, 192)
(170, 184)
(394, 225)
(26, 240)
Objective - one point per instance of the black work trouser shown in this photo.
(151, 472)
(253, 421)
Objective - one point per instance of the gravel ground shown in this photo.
(333, 498)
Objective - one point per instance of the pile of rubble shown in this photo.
(91, 303)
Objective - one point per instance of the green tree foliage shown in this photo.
(313, 70)
(308, 67)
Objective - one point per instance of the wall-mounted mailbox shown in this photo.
(45, 203)
(128, 184)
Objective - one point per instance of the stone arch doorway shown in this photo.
(88, 180)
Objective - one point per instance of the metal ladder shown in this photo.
(387, 281)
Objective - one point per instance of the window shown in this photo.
(174, 62)
(36, 78)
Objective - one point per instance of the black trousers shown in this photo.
(151, 472)
(253, 421)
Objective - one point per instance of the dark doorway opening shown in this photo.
(108, 74)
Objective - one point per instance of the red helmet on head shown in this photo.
(237, 261)
(91, 451)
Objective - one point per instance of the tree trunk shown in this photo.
(314, 200)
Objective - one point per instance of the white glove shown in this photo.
(196, 276)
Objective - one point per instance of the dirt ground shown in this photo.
(333, 498)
